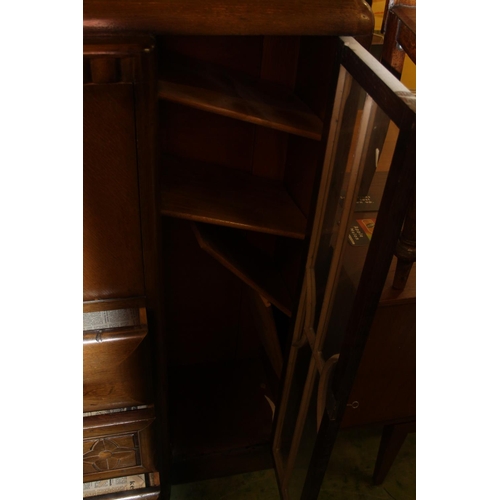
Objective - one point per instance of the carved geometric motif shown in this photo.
(105, 454)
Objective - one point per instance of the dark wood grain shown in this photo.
(117, 45)
(104, 70)
(112, 250)
(205, 137)
(221, 91)
(279, 66)
(114, 373)
(146, 112)
(117, 444)
(407, 35)
(407, 14)
(213, 194)
(250, 265)
(393, 55)
(228, 17)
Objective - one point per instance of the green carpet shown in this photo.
(349, 475)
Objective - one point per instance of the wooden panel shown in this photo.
(385, 384)
(117, 46)
(250, 265)
(197, 135)
(229, 17)
(279, 65)
(118, 444)
(114, 374)
(112, 266)
(221, 91)
(213, 194)
(104, 70)
(241, 53)
(407, 36)
(202, 300)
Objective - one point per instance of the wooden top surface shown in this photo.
(229, 17)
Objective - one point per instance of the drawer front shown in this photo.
(115, 373)
(117, 444)
(112, 248)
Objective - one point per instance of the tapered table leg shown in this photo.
(393, 437)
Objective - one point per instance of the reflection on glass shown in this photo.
(307, 441)
(297, 387)
(348, 204)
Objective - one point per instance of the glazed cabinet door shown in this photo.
(367, 182)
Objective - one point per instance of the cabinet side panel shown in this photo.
(112, 265)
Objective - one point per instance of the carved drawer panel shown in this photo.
(115, 373)
(117, 444)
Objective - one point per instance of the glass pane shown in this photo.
(356, 189)
(352, 193)
(304, 454)
(353, 99)
(301, 367)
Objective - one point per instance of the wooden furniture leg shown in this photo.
(393, 438)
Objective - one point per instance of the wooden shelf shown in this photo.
(218, 90)
(250, 265)
(228, 197)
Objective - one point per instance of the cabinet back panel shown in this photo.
(112, 265)
(314, 72)
(301, 166)
(198, 135)
(207, 320)
(236, 52)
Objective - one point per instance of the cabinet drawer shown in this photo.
(117, 444)
(112, 251)
(115, 373)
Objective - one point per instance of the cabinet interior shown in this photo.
(241, 135)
